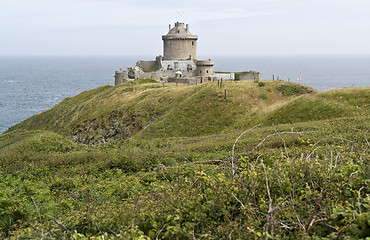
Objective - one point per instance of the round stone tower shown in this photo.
(179, 43)
(205, 68)
(120, 77)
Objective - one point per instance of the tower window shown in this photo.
(192, 43)
(207, 71)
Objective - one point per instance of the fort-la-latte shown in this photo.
(179, 62)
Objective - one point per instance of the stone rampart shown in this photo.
(225, 76)
(250, 76)
(190, 80)
(148, 66)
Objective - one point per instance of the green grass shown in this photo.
(310, 109)
(147, 108)
(143, 161)
(293, 89)
(358, 97)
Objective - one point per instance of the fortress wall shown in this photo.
(156, 75)
(250, 76)
(190, 80)
(147, 65)
(200, 79)
(188, 73)
(186, 80)
(225, 76)
(187, 67)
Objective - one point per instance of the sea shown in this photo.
(32, 84)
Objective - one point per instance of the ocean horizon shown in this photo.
(32, 84)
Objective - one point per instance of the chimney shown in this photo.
(169, 27)
(187, 27)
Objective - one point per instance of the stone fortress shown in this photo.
(179, 62)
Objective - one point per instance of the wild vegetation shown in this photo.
(145, 160)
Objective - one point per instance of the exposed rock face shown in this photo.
(92, 133)
(119, 124)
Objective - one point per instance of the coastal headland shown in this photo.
(150, 160)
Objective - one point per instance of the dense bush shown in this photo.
(293, 89)
(293, 185)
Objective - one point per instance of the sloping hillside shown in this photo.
(271, 160)
(151, 110)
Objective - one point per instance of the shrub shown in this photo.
(291, 90)
(263, 96)
(352, 101)
(260, 84)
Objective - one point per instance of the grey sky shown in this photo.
(224, 26)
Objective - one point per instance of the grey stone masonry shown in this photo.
(250, 76)
(179, 62)
(179, 43)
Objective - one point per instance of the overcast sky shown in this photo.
(123, 27)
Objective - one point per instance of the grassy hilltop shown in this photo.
(145, 161)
